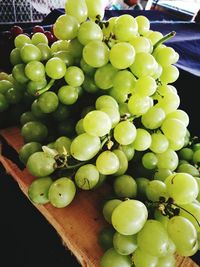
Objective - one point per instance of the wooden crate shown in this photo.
(78, 224)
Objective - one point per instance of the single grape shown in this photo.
(112, 259)
(27, 150)
(87, 177)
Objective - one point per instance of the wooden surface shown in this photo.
(79, 223)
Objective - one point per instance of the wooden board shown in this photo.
(78, 224)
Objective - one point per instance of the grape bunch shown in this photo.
(104, 110)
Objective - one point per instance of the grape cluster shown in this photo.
(104, 110)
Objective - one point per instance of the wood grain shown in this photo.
(78, 224)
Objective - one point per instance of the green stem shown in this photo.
(46, 88)
(164, 38)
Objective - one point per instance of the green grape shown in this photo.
(45, 51)
(89, 85)
(89, 31)
(125, 132)
(104, 76)
(176, 144)
(85, 146)
(159, 143)
(153, 118)
(107, 163)
(96, 54)
(128, 150)
(77, 9)
(113, 259)
(26, 117)
(182, 187)
(87, 69)
(196, 147)
(74, 76)
(15, 57)
(124, 80)
(108, 26)
(125, 27)
(141, 44)
(196, 156)
(144, 64)
(149, 160)
(154, 36)
(129, 217)
(167, 261)
(59, 45)
(5, 85)
(79, 127)
(13, 96)
(95, 9)
(143, 24)
(38, 38)
(3, 103)
(167, 159)
(97, 123)
(106, 101)
(166, 56)
(162, 173)
(62, 144)
(122, 55)
(87, 176)
(183, 234)
(34, 86)
(142, 184)
(66, 57)
(143, 259)
(125, 186)
(65, 27)
(173, 129)
(153, 238)
(164, 220)
(48, 102)
(169, 74)
(67, 95)
(18, 73)
(30, 52)
(75, 48)
(113, 114)
(35, 71)
(188, 168)
(62, 192)
(191, 211)
(156, 189)
(123, 162)
(124, 244)
(143, 140)
(37, 112)
(21, 40)
(38, 190)
(34, 131)
(180, 115)
(138, 105)
(145, 86)
(108, 208)
(27, 150)
(105, 237)
(121, 96)
(55, 68)
(40, 164)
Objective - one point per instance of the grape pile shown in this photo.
(103, 110)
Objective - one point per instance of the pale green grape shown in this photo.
(45, 51)
(173, 129)
(89, 85)
(154, 36)
(129, 217)
(155, 190)
(87, 176)
(149, 160)
(62, 192)
(169, 102)
(169, 74)
(188, 168)
(167, 159)
(96, 54)
(77, 9)
(113, 115)
(143, 24)
(87, 69)
(104, 76)
(125, 28)
(166, 56)
(143, 140)
(108, 208)
(108, 26)
(176, 144)
(125, 132)
(159, 143)
(124, 80)
(183, 234)
(75, 48)
(38, 38)
(179, 114)
(67, 94)
(128, 150)
(153, 118)
(62, 144)
(124, 244)
(95, 9)
(59, 45)
(21, 40)
(153, 238)
(55, 68)
(138, 105)
(122, 55)
(191, 211)
(123, 109)
(142, 184)
(107, 163)
(97, 123)
(85, 146)
(113, 259)
(143, 259)
(121, 95)
(162, 173)
(145, 86)
(167, 261)
(164, 220)
(79, 127)
(74, 76)
(182, 187)
(65, 27)
(141, 44)
(123, 162)
(125, 186)
(104, 101)
(89, 31)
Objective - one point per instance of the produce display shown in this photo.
(98, 106)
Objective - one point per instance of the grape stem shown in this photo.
(163, 39)
(46, 88)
